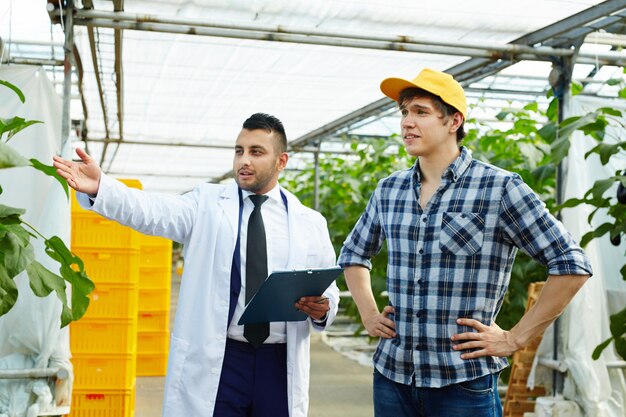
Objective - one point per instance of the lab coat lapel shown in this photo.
(298, 243)
(229, 202)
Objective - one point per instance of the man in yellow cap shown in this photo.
(453, 226)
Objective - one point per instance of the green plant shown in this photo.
(16, 251)
(347, 182)
(607, 195)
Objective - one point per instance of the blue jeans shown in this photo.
(476, 398)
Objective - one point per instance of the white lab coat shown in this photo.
(206, 221)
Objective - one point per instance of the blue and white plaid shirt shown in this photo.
(452, 259)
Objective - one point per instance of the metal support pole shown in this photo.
(316, 182)
(560, 79)
(68, 49)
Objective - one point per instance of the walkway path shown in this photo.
(340, 387)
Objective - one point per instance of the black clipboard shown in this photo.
(276, 298)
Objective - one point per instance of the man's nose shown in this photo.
(407, 121)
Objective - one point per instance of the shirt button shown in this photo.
(421, 251)
(424, 219)
(418, 314)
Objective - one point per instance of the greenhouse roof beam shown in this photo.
(478, 68)
(567, 31)
(277, 33)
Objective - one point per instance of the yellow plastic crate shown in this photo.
(112, 266)
(153, 343)
(103, 403)
(151, 365)
(155, 278)
(157, 241)
(153, 321)
(104, 371)
(94, 231)
(118, 301)
(156, 256)
(154, 300)
(132, 183)
(95, 336)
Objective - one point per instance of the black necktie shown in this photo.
(256, 268)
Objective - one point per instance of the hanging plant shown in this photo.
(16, 251)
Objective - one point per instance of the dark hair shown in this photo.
(446, 110)
(270, 124)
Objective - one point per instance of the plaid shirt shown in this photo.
(452, 259)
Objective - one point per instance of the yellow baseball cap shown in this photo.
(435, 82)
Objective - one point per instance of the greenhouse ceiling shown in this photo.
(165, 84)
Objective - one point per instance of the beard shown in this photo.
(258, 182)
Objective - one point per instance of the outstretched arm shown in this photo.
(82, 176)
(493, 341)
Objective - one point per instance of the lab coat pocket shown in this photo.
(462, 233)
(178, 356)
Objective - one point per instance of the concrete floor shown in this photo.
(339, 386)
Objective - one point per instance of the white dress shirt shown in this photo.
(276, 225)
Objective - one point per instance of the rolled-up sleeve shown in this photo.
(527, 224)
(366, 238)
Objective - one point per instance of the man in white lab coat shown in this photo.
(214, 368)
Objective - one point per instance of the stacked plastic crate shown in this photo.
(155, 274)
(104, 341)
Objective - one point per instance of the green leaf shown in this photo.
(7, 211)
(532, 106)
(15, 257)
(611, 111)
(548, 132)
(42, 281)
(605, 151)
(553, 109)
(598, 350)
(81, 284)
(15, 89)
(560, 148)
(21, 127)
(8, 291)
(51, 171)
(502, 115)
(618, 324)
(600, 187)
(22, 235)
(576, 88)
(10, 158)
(598, 232)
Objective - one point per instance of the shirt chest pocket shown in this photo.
(462, 233)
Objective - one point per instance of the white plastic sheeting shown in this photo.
(601, 392)
(184, 88)
(30, 333)
(199, 89)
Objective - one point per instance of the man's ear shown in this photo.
(282, 161)
(457, 121)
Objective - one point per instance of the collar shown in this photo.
(454, 171)
(273, 194)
